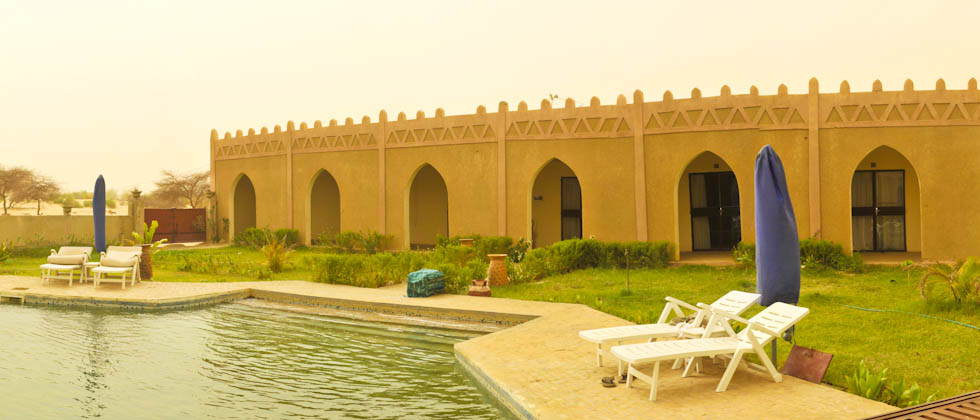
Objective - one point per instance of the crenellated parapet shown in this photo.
(727, 111)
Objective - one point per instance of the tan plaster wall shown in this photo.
(470, 173)
(22, 230)
(604, 168)
(546, 212)
(946, 163)
(267, 174)
(356, 174)
(668, 156)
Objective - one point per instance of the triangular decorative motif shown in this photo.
(581, 128)
(693, 116)
(766, 119)
(409, 137)
(879, 110)
(477, 130)
(428, 136)
(834, 116)
(609, 124)
(513, 131)
(489, 134)
(666, 117)
(623, 125)
(652, 123)
(709, 119)
(593, 123)
(448, 135)
(468, 134)
(544, 125)
(940, 109)
(971, 109)
(895, 114)
(739, 117)
(679, 121)
(924, 114)
(556, 128)
(909, 110)
(419, 133)
(438, 133)
(723, 113)
(849, 112)
(750, 112)
(370, 139)
(522, 126)
(569, 124)
(458, 132)
(864, 115)
(534, 130)
(796, 118)
(779, 113)
(956, 113)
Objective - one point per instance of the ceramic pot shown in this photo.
(497, 273)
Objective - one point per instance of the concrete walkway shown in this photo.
(537, 365)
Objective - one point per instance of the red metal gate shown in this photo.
(178, 225)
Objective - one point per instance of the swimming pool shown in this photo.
(228, 361)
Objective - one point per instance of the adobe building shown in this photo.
(892, 171)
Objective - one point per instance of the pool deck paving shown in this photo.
(535, 364)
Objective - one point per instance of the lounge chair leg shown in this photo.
(678, 363)
(653, 381)
(598, 354)
(629, 375)
(727, 377)
(769, 366)
(619, 372)
(687, 367)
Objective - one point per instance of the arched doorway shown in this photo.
(885, 212)
(708, 206)
(428, 208)
(244, 205)
(556, 205)
(324, 219)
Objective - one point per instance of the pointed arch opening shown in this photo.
(324, 207)
(555, 205)
(243, 211)
(885, 205)
(427, 208)
(708, 205)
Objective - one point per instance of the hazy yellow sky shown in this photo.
(129, 88)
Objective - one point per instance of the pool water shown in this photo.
(230, 361)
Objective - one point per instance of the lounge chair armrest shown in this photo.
(681, 303)
(53, 252)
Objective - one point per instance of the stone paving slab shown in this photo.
(540, 368)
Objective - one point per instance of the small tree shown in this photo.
(176, 187)
(12, 182)
(38, 188)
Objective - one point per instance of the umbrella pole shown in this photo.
(774, 352)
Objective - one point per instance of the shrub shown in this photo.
(291, 236)
(376, 270)
(874, 385)
(821, 254)
(485, 245)
(6, 249)
(744, 254)
(348, 240)
(962, 279)
(211, 264)
(251, 237)
(372, 242)
(640, 254)
(518, 251)
(577, 254)
(276, 251)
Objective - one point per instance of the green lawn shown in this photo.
(940, 356)
(234, 261)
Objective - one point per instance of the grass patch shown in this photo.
(940, 356)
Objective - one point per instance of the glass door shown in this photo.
(571, 208)
(716, 222)
(878, 210)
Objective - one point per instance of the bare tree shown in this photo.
(38, 188)
(12, 182)
(176, 188)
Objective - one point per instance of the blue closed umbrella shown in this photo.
(98, 214)
(777, 242)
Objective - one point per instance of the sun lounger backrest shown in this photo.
(778, 317)
(135, 249)
(75, 250)
(736, 302)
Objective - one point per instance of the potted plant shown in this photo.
(145, 240)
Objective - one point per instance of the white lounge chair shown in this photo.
(66, 259)
(734, 302)
(761, 329)
(119, 260)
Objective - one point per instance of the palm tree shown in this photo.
(962, 278)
